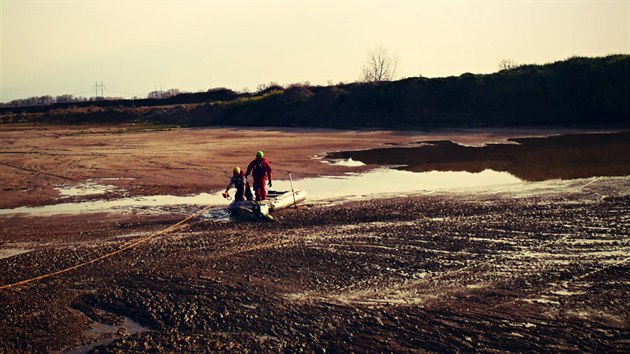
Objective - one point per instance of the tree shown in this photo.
(380, 66)
(163, 94)
(272, 85)
(506, 64)
(65, 99)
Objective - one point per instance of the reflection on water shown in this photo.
(139, 204)
(438, 166)
(344, 162)
(397, 182)
(86, 188)
(379, 181)
(532, 159)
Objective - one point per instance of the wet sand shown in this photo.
(541, 267)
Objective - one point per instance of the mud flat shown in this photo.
(44, 163)
(532, 266)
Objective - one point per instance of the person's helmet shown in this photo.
(236, 170)
(260, 154)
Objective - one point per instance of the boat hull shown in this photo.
(276, 200)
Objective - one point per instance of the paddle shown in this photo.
(292, 191)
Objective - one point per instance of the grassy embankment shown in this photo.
(573, 91)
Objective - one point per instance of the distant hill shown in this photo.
(574, 91)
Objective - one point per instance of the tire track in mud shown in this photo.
(400, 293)
(47, 153)
(38, 172)
(562, 287)
(446, 309)
(250, 281)
(126, 246)
(407, 292)
(366, 296)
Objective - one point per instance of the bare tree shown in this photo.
(265, 87)
(380, 66)
(506, 64)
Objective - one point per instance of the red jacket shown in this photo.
(259, 169)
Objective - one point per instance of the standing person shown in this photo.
(239, 181)
(261, 171)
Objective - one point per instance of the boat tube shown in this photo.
(276, 200)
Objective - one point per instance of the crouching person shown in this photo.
(239, 182)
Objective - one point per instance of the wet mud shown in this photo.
(540, 266)
(39, 162)
(450, 272)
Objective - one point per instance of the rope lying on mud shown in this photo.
(110, 254)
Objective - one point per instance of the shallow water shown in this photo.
(123, 204)
(530, 159)
(86, 188)
(10, 252)
(349, 162)
(377, 182)
(396, 182)
(425, 168)
(108, 333)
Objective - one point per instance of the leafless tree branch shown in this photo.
(380, 66)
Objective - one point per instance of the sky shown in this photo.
(57, 47)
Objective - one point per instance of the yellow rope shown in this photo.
(128, 246)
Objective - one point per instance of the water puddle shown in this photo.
(379, 182)
(132, 204)
(530, 159)
(349, 162)
(82, 189)
(104, 334)
(219, 214)
(392, 182)
(567, 293)
(10, 252)
(521, 166)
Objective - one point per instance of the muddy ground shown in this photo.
(150, 160)
(537, 270)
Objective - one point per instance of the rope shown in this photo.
(124, 248)
(175, 226)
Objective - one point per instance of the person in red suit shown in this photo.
(261, 172)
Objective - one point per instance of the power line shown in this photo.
(102, 87)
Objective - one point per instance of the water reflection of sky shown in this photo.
(388, 181)
(87, 188)
(377, 182)
(532, 159)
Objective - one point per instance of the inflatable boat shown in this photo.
(276, 200)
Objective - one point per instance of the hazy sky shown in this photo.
(56, 47)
